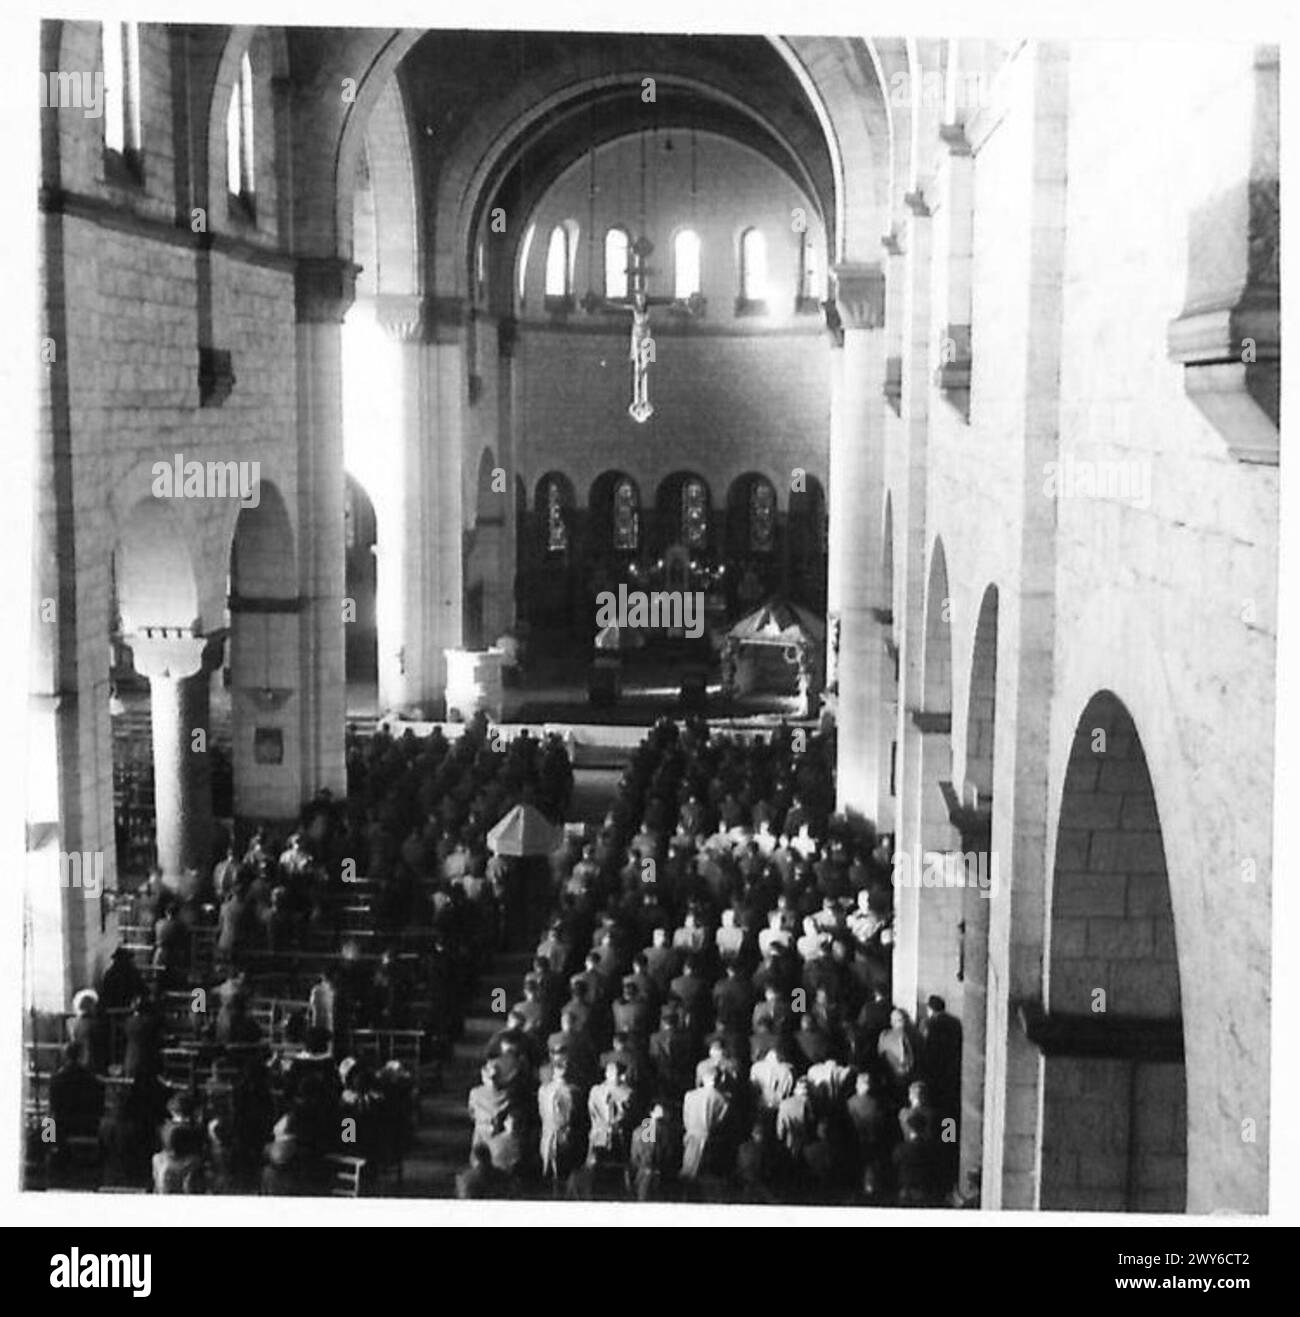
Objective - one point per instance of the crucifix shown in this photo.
(641, 351)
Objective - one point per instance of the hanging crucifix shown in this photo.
(641, 350)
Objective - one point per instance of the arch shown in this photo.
(981, 859)
(156, 582)
(932, 911)
(844, 79)
(266, 52)
(614, 503)
(671, 512)
(487, 155)
(264, 673)
(1111, 971)
(389, 155)
(753, 266)
(982, 699)
(937, 653)
(489, 503)
(262, 557)
(752, 511)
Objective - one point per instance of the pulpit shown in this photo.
(474, 683)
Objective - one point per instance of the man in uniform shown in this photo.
(563, 1116)
(704, 1114)
(609, 1105)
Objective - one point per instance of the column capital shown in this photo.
(173, 652)
(860, 294)
(953, 136)
(401, 316)
(324, 287)
(915, 202)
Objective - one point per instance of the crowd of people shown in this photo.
(256, 1117)
(708, 1014)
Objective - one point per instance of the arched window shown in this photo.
(811, 283)
(762, 517)
(557, 533)
(616, 265)
(686, 264)
(239, 133)
(523, 259)
(695, 514)
(753, 266)
(121, 43)
(627, 517)
(561, 257)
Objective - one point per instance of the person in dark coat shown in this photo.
(122, 984)
(76, 1097)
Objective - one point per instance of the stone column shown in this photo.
(421, 547)
(179, 667)
(509, 405)
(324, 289)
(447, 388)
(857, 469)
(405, 682)
(837, 503)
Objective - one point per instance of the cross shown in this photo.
(641, 350)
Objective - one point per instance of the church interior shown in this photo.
(653, 617)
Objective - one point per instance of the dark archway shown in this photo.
(264, 676)
(1114, 1133)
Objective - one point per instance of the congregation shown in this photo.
(331, 993)
(708, 1014)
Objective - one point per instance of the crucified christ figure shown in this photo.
(642, 353)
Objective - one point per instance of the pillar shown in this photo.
(857, 471)
(419, 612)
(324, 289)
(179, 667)
(838, 505)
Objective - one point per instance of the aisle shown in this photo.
(441, 1146)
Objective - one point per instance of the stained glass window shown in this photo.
(627, 516)
(557, 533)
(762, 517)
(695, 514)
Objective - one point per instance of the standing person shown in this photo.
(609, 1106)
(656, 1154)
(86, 1031)
(704, 1113)
(940, 1059)
(897, 1048)
(563, 1137)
